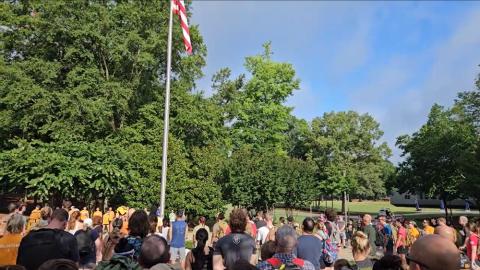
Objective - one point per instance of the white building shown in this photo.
(407, 199)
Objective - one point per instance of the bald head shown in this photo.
(446, 232)
(434, 252)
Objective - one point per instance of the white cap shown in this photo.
(88, 222)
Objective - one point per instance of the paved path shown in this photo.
(346, 253)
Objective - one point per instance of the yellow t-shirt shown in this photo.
(97, 214)
(111, 216)
(9, 244)
(36, 214)
(429, 229)
(83, 215)
(106, 219)
(412, 235)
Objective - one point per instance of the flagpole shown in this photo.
(166, 115)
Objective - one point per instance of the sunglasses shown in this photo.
(410, 259)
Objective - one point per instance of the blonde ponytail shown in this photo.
(360, 244)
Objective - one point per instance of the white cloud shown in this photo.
(300, 33)
(330, 45)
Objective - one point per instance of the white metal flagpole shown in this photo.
(166, 115)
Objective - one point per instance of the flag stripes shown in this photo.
(179, 9)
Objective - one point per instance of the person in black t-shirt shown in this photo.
(48, 243)
(235, 246)
(260, 220)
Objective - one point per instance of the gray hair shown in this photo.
(16, 223)
(286, 238)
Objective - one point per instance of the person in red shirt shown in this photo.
(473, 244)
(400, 244)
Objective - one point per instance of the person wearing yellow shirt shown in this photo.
(111, 214)
(427, 228)
(122, 214)
(10, 241)
(97, 213)
(34, 217)
(84, 214)
(105, 222)
(108, 217)
(412, 234)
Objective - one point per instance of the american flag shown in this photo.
(178, 7)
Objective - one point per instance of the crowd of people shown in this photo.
(126, 238)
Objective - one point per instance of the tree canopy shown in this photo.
(442, 157)
(347, 149)
(81, 116)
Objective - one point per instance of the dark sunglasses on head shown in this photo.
(410, 259)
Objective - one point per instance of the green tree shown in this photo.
(260, 180)
(469, 102)
(299, 182)
(436, 156)
(297, 138)
(350, 157)
(81, 86)
(254, 109)
(253, 179)
(85, 171)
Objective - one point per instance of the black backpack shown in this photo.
(379, 237)
(84, 242)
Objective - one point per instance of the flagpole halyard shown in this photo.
(166, 115)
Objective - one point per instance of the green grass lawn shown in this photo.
(372, 207)
(368, 207)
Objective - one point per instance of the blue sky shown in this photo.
(390, 59)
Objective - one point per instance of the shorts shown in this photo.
(343, 235)
(402, 250)
(177, 253)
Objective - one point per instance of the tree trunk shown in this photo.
(344, 203)
(105, 205)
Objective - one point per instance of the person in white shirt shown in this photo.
(201, 225)
(262, 234)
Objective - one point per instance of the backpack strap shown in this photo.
(275, 262)
(298, 262)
